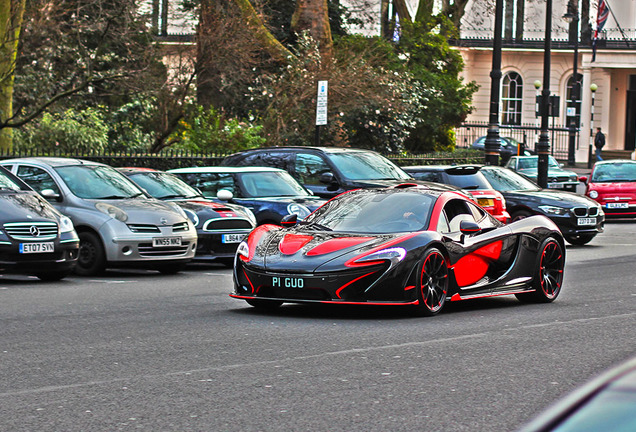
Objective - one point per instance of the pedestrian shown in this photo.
(599, 142)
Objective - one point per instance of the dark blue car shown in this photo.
(270, 193)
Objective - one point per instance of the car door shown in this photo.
(477, 259)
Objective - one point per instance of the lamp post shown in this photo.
(537, 110)
(492, 145)
(572, 17)
(593, 87)
(543, 146)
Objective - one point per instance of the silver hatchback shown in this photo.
(117, 223)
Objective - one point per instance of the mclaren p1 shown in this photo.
(409, 245)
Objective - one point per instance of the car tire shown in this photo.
(53, 276)
(580, 239)
(92, 258)
(264, 304)
(548, 277)
(432, 284)
(518, 215)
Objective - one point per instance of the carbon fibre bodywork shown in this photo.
(308, 263)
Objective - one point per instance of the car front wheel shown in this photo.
(92, 258)
(548, 275)
(433, 283)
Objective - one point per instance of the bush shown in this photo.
(68, 131)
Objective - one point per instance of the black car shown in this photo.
(269, 193)
(411, 246)
(35, 239)
(326, 171)
(578, 217)
(220, 226)
(508, 147)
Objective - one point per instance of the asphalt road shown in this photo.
(142, 351)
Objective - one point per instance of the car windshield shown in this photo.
(614, 172)
(382, 211)
(270, 184)
(97, 182)
(367, 166)
(7, 182)
(532, 162)
(164, 186)
(505, 180)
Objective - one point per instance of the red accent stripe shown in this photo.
(248, 280)
(292, 243)
(337, 244)
(411, 303)
(349, 283)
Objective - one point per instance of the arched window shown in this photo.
(511, 99)
(573, 109)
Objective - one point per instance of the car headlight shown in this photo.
(593, 194)
(66, 225)
(192, 216)
(112, 211)
(553, 210)
(394, 255)
(299, 210)
(243, 251)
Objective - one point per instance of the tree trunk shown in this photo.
(424, 10)
(313, 15)
(403, 11)
(11, 13)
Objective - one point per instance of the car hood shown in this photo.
(552, 172)
(25, 205)
(211, 208)
(307, 251)
(550, 197)
(146, 211)
(610, 191)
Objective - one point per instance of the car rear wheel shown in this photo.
(549, 274)
(91, 259)
(433, 283)
(264, 304)
(580, 239)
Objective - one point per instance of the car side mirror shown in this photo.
(225, 195)
(50, 194)
(583, 179)
(289, 220)
(469, 227)
(327, 178)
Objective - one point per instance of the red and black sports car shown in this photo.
(409, 245)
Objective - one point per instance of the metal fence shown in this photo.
(527, 134)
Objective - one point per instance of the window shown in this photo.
(309, 167)
(573, 109)
(511, 98)
(37, 178)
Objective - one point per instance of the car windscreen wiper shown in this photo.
(172, 196)
(116, 197)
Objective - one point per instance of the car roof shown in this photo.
(130, 170)
(451, 169)
(614, 161)
(314, 148)
(224, 169)
(53, 161)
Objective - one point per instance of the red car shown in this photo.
(612, 184)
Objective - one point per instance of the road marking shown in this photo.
(253, 365)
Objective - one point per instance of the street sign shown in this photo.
(321, 104)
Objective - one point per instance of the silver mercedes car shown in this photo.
(117, 223)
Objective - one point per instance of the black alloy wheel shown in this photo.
(433, 283)
(549, 275)
(92, 258)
